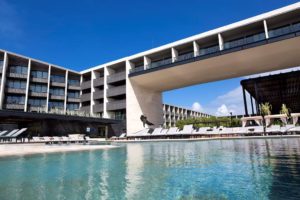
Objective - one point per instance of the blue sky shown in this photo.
(86, 33)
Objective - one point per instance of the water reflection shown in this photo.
(227, 169)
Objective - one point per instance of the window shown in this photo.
(57, 91)
(209, 50)
(73, 94)
(72, 106)
(40, 88)
(12, 99)
(58, 78)
(16, 84)
(74, 82)
(39, 74)
(296, 27)
(37, 102)
(18, 69)
(280, 31)
(55, 104)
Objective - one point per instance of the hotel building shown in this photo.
(132, 86)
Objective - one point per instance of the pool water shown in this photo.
(227, 169)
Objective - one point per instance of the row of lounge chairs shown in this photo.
(189, 132)
(6, 136)
(63, 139)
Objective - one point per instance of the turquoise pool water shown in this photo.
(228, 169)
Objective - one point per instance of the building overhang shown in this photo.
(25, 116)
(268, 55)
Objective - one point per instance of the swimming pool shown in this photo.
(226, 169)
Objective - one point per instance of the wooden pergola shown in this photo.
(276, 89)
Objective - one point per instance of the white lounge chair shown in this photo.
(201, 131)
(273, 129)
(187, 129)
(2, 133)
(172, 131)
(156, 132)
(287, 128)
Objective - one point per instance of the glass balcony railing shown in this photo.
(240, 42)
(245, 40)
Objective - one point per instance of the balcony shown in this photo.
(74, 87)
(98, 94)
(14, 106)
(57, 97)
(39, 80)
(98, 82)
(15, 75)
(116, 105)
(38, 94)
(36, 108)
(85, 97)
(86, 85)
(98, 108)
(86, 109)
(73, 100)
(115, 91)
(57, 84)
(16, 90)
(116, 77)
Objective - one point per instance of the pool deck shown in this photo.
(207, 139)
(7, 150)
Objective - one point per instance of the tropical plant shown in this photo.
(284, 110)
(265, 109)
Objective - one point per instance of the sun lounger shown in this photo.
(172, 131)
(187, 129)
(287, 129)
(201, 131)
(273, 129)
(2, 133)
(157, 132)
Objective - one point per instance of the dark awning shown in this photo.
(8, 114)
(276, 89)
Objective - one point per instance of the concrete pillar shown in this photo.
(92, 91)
(105, 87)
(266, 29)
(27, 86)
(3, 80)
(141, 101)
(196, 48)
(221, 42)
(147, 62)
(66, 91)
(245, 102)
(174, 55)
(48, 89)
(80, 93)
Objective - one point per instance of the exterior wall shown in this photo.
(172, 114)
(141, 101)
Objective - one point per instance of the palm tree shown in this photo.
(265, 109)
(285, 110)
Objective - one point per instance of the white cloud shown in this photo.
(231, 101)
(222, 110)
(197, 107)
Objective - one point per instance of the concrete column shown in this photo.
(80, 93)
(105, 87)
(266, 29)
(174, 54)
(141, 101)
(92, 91)
(221, 42)
(196, 48)
(48, 89)
(66, 91)
(245, 102)
(3, 80)
(147, 62)
(27, 86)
